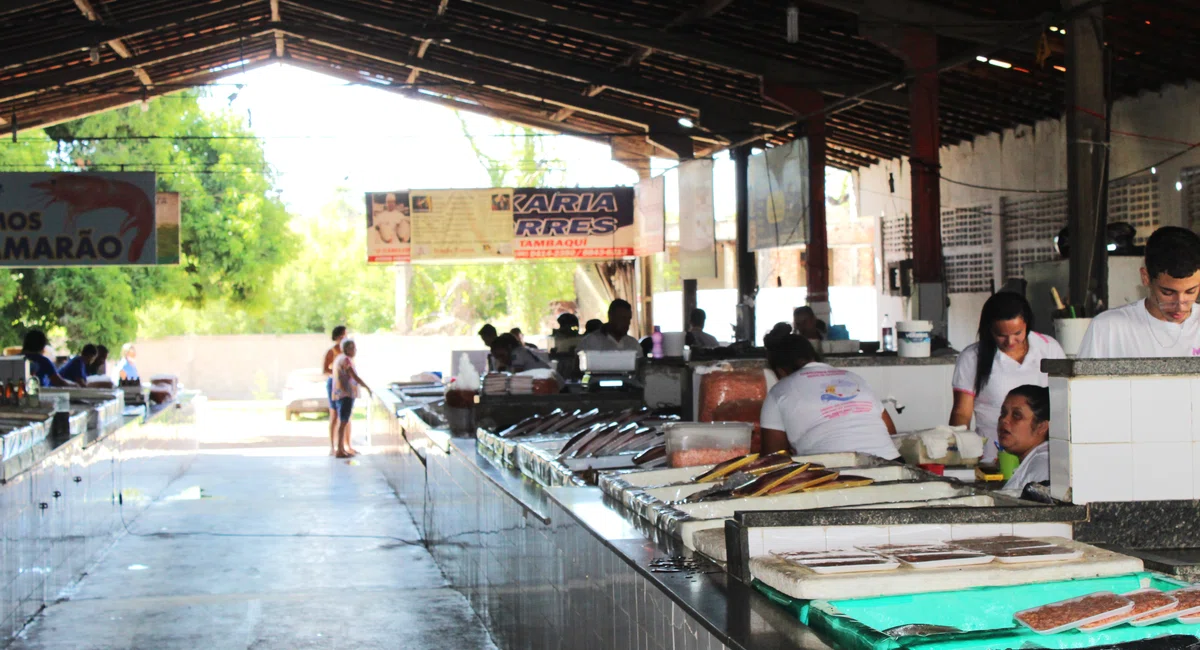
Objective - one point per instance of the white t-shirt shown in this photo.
(704, 339)
(1130, 332)
(1034, 469)
(599, 341)
(1006, 375)
(827, 410)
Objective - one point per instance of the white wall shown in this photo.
(1034, 157)
(244, 367)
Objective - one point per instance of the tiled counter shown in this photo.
(62, 511)
(560, 567)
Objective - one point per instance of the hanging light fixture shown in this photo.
(793, 24)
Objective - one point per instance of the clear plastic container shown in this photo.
(691, 444)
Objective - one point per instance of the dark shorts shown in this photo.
(329, 393)
(345, 408)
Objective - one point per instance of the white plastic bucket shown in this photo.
(913, 338)
(1069, 332)
(673, 343)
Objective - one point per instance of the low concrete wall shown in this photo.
(257, 366)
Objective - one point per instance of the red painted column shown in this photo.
(809, 104)
(921, 49)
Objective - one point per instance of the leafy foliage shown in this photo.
(234, 231)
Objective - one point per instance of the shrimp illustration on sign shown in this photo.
(840, 390)
(84, 193)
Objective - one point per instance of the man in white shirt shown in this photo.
(1165, 324)
(697, 337)
(613, 335)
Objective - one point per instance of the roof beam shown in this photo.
(39, 120)
(79, 74)
(702, 10)
(542, 92)
(280, 44)
(921, 13)
(695, 49)
(505, 113)
(116, 44)
(719, 109)
(100, 34)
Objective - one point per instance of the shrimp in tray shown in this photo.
(84, 193)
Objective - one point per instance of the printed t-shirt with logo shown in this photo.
(827, 410)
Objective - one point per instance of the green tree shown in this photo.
(234, 232)
(327, 285)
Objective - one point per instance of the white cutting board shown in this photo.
(689, 529)
(799, 582)
(824, 499)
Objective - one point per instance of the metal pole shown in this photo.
(925, 142)
(747, 271)
(1087, 156)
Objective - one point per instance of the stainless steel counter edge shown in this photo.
(733, 611)
(50, 447)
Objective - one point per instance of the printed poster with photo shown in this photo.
(649, 215)
(697, 221)
(579, 223)
(475, 224)
(389, 227)
(77, 219)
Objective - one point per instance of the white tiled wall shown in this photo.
(1125, 439)
(923, 390)
(828, 538)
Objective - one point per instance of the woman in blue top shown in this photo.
(76, 369)
(41, 367)
(125, 368)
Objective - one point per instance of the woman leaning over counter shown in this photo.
(1007, 355)
(817, 409)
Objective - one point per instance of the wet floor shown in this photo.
(308, 552)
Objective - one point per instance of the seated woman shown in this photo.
(511, 356)
(1024, 431)
(817, 409)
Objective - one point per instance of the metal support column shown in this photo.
(921, 49)
(1087, 155)
(809, 105)
(747, 270)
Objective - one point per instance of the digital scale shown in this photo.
(609, 371)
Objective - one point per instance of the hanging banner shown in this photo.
(778, 195)
(77, 219)
(389, 228)
(167, 211)
(581, 223)
(462, 224)
(649, 214)
(697, 221)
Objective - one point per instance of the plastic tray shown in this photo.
(1119, 619)
(1100, 611)
(1188, 607)
(1052, 554)
(882, 565)
(914, 560)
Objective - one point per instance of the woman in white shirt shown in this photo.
(1024, 431)
(817, 409)
(1007, 355)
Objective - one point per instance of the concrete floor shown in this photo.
(274, 591)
